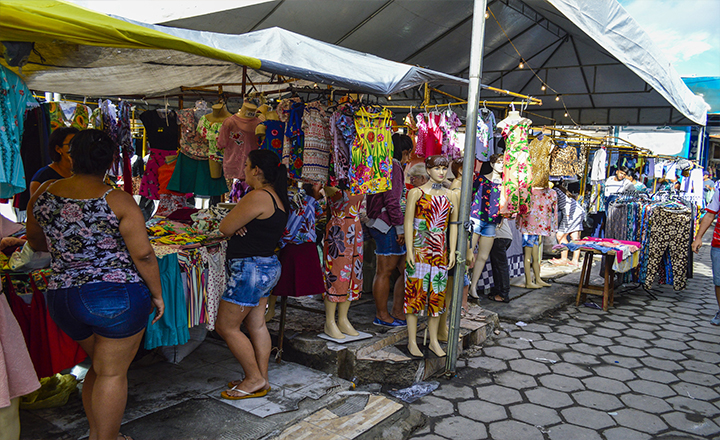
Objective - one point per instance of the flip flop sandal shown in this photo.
(243, 394)
(235, 383)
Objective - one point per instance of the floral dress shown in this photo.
(274, 134)
(426, 282)
(517, 173)
(486, 203)
(371, 161)
(542, 218)
(209, 131)
(344, 248)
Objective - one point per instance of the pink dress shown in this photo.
(17, 373)
(542, 218)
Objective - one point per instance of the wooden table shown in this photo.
(607, 291)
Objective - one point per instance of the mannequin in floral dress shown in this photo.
(430, 209)
(517, 174)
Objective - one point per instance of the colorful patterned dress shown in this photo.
(425, 284)
(371, 161)
(517, 173)
(542, 218)
(344, 249)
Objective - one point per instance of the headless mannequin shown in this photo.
(532, 267)
(437, 175)
(265, 113)
(218, 115)
(486, 243)
(337, 329)
(247, 111)
(455, 187)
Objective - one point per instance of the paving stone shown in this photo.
(613, 325)
(596, 340)
(664, 334)
(646, 327)
(540, 328)
(501, 353)
(487, 363)
(692, 423)
(572, 432)
(706, 346)
(535, 415)
(624, 434)
(546, 357)
(430, 437)
(560, 337)
(621, 361)
(632, 342)
(622, 312)
(482, 380)
(627, 351)
(498, 394)
(688, 405)
(660, 364)
(549, 346)
(459, 427)
(571, 330)
(662, 353)
(590, 317)
(605, 385)
(605, 332)
(571, 370)
(561, 383)
(580, 358)
(549, 398)
(584, 354)
(679, 328)
(645, 403)
(639, 421)
(453, 392)
(651, 388)
(699, 378)
(588, 418)
(515, 380)
(530, 336)
(515, 343)
(670, 344)
(481, 411)
(599, 401)
(612, 372)
(658, 315)
(433, 406)
(527, 366)
(510, 429)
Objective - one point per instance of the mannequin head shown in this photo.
(247, 110)
(437, 167)
(496, 162)
(456, 167)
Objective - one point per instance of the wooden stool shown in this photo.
(607, 291)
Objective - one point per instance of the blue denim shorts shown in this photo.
(530, 240)
(111, 310)
(483, 228)
(386, 244)
(715, 258)
(250, 279)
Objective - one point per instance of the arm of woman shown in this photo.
(251, 206)
(34, 233)
(132, 229)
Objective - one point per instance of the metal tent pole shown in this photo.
(476, 56)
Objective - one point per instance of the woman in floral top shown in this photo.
(105, 279)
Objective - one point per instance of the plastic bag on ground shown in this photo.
(416, 391)
(54, 391)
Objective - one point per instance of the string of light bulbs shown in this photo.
(524, 63)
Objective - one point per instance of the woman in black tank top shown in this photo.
(254, 226)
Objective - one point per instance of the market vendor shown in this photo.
(61, 166)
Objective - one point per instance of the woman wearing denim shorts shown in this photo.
(255, 226)
(105, 279)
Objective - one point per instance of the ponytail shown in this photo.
(275, 172)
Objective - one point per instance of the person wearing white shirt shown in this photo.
(618, 183)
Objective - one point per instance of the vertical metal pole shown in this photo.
(476, 55)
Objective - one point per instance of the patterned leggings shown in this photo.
(669, 230)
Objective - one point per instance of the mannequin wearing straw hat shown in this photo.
(430, 209)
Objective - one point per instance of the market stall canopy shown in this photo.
(82, 52)
(604, 67)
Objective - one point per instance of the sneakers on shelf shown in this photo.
(716, 319)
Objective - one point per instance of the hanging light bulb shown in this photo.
(557, 98)
(389, 98)
(487, 15)
(522, 65)
(566, 114)
(543, 87)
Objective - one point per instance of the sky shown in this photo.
(687, 31)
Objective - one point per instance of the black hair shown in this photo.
(401, 143)
(494, 158)
(92, 152)
(437, 161)
(57, 139)
(624, 169)
(274, 172)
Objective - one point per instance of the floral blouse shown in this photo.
(542, 218)
(84, 241)
(371, 161)
(192, 142)
(209, 130)
(486, 204)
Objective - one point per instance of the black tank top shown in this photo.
(262, 236)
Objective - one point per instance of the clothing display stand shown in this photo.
(607, 291)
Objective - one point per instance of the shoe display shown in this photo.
(716, 319)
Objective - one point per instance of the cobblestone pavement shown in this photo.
(646, 369)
